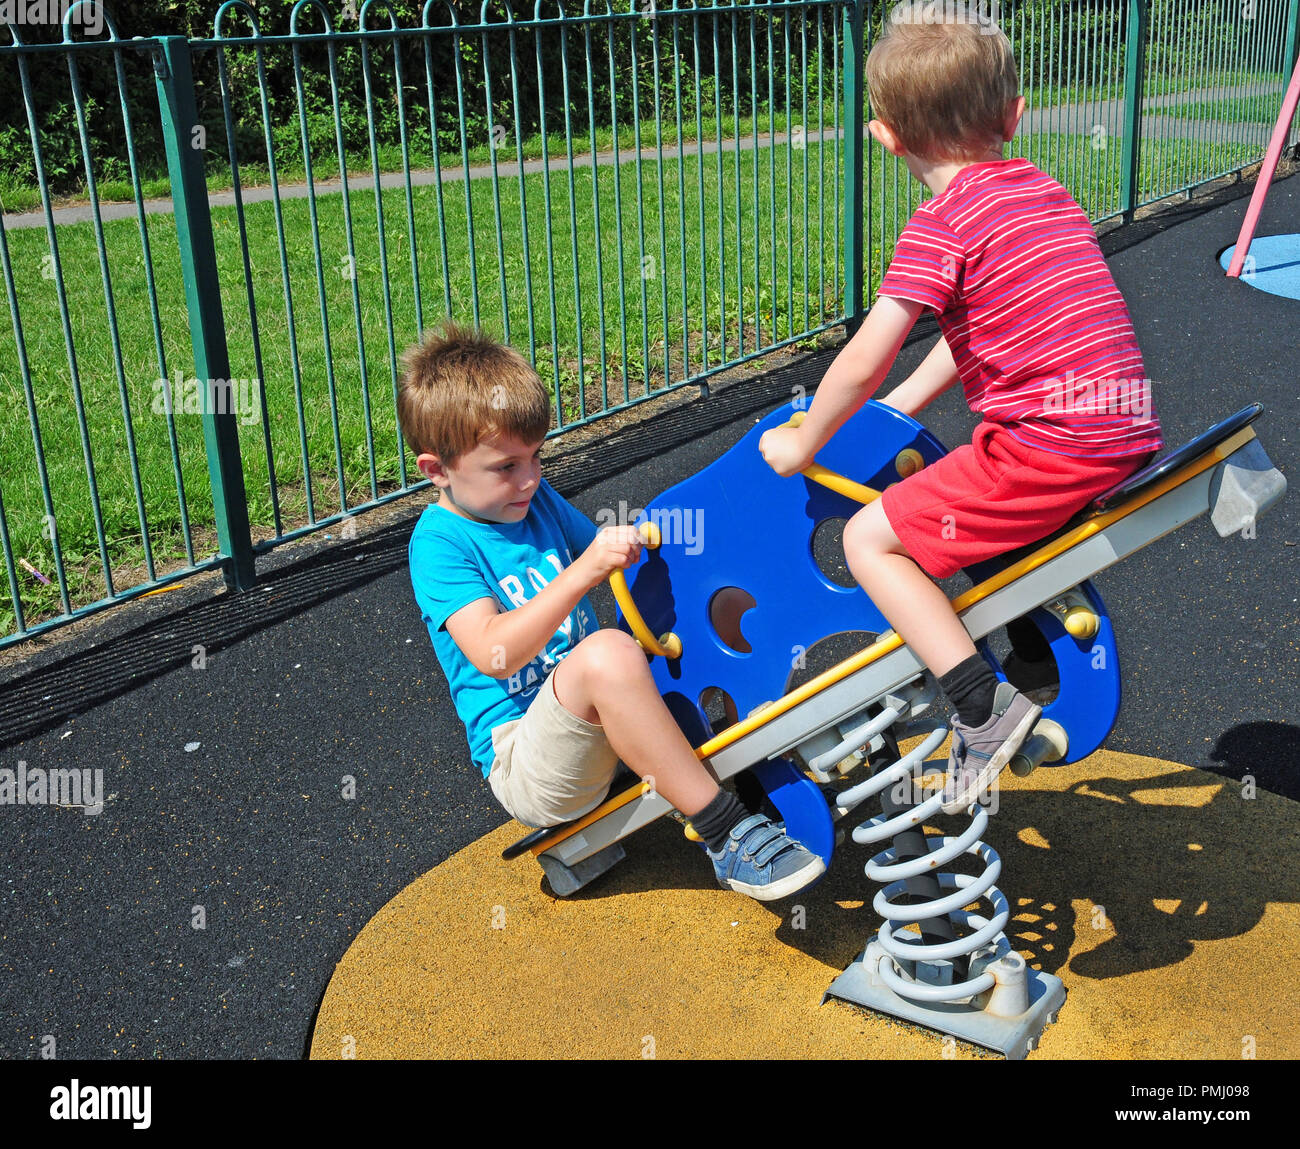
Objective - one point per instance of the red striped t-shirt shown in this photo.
(1040, 334)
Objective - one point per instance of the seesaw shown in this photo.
(737, 540)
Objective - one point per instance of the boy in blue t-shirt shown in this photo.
(501, 566)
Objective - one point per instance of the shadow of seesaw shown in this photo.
(1163, 896)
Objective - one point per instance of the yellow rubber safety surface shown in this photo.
(1164, 898)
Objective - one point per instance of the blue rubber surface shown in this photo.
(1272, 264)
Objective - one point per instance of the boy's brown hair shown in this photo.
(460, 386)
(942, 77)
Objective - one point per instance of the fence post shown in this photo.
(1292, 37)
(182, 134)
(1134, 69)
(854, 209)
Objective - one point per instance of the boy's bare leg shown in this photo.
(914, 605)
(605, 680)
(992, 720)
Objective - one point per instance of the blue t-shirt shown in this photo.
(456, 561)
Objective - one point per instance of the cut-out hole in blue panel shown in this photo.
(825, 653)
(719, 708)
(828, 552)
(726, 609)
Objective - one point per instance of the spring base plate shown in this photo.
(1013, 1037)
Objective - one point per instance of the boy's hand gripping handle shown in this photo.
(668, 645)
(833, 480)
(909, 461)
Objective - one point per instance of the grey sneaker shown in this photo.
(979, 753)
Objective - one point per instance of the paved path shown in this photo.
(1083, 118)
(1077, 119)
(359, 183)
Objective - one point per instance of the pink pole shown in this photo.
(1265, 176)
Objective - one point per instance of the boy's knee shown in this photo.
(609, 652)
(869, 533)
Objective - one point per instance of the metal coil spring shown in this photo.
(885, 867)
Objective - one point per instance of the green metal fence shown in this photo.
(208, 319)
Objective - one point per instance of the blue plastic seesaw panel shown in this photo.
(1088, 699)
(738, 524)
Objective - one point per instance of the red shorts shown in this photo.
(993, 496)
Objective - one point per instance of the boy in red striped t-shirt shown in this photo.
(1034, 328)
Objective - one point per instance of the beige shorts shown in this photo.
(550, 766)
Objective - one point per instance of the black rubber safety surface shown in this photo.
(202, 912)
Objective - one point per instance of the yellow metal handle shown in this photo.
(668, 645)
(833, 480)
(840, 484)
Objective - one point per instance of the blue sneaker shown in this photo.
(761, 861)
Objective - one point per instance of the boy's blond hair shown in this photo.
(942, 77)
(460, 386)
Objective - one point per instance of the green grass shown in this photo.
(652, 343)
(17, 197)
(664, 334)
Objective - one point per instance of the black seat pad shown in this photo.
(1157, 470)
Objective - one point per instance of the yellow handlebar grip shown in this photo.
(668, 645)
(833, 480)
